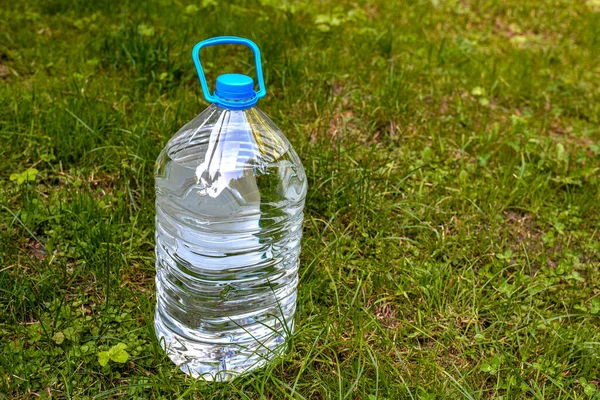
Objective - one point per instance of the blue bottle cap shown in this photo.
(235, 87)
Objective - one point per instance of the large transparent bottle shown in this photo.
(230, 192)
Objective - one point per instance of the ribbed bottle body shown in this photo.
(230, 192)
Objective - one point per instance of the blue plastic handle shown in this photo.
(227, 40)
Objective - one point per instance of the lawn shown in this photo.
(452, 234)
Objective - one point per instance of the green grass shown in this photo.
(452, 230)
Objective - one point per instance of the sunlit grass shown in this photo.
(451, 240)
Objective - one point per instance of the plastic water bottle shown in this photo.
(230, 192)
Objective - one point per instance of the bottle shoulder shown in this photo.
(221, 147)
(225, 132)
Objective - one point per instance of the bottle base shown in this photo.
(217, 361)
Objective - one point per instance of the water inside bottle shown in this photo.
(229, 197)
